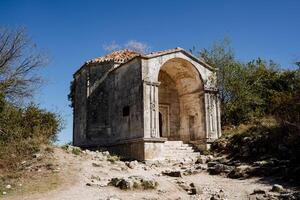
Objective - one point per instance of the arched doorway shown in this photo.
(181, 101)
(160, 124)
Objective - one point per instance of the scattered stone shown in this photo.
(4, 193)
(88, 184)
(219, 168)
(239, 171)
(191, 172)
(134, 182)
(8, 186)
(113, 197)
(190, 188)
(116, 169)
(37, 155)
(185, 186)
(161, 191)
(132, 164)
(56, 170)
(172, 173)
(212, 163)
(97, 165)
(259, 191)
(105, 153)
(146, 168)
(121, 183)
(202, 159)
(260, 163)
(277, 188)
(209, 158)
(195, 189)
(201, 167)
(218, 196)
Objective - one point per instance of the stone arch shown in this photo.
(181, 91)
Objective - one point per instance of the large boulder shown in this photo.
(277, 188)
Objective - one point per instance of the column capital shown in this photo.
(210, 89)
(154, 83)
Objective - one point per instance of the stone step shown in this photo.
(179, 148)
(178, 151)
(175, 153)
(173, 142)
(184, 160)
(193, 154)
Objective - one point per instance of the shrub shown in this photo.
(23, 131)
(113, 158)
(76, 151)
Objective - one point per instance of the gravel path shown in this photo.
(94, 169)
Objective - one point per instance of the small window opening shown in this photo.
(126, 111)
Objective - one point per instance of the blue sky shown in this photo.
(71, 32)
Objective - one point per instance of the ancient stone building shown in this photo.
(133, 103)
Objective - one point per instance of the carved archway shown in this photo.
(181, 90)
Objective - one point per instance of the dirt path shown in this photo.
(96, 170)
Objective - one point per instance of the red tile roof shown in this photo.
(123, 56)
(120, 56)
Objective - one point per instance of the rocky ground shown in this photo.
(102, 176)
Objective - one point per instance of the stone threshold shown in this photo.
(128, 141)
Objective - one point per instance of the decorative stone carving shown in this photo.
(212, 108)
(153, 96)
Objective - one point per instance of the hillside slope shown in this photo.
(86, 175)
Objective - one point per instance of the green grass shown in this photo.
(113, 158)
(76, 151)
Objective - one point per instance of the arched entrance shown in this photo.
(181, 101)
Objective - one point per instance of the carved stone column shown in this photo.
(212, 114)
(151, 109)
(219, 116)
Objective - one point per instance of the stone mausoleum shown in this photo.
(142, 105)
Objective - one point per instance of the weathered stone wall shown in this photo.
(127, 93)
(79, 112)
(118, 93)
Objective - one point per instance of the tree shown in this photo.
(231, 81)
(254, 89)
(19, 62)
(221, 57)
(23, 128)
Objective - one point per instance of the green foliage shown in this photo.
(76, 151)
(259, 141)
(71, 95)
(252, 90)
(113, 158)
(23, 131)
(286, 100)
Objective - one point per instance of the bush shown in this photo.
(76, 151)
(260, 140)
(113, 158)
(255, 89)
(23, 131)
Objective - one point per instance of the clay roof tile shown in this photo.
(120, 56)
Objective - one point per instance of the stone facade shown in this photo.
(133, 103)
